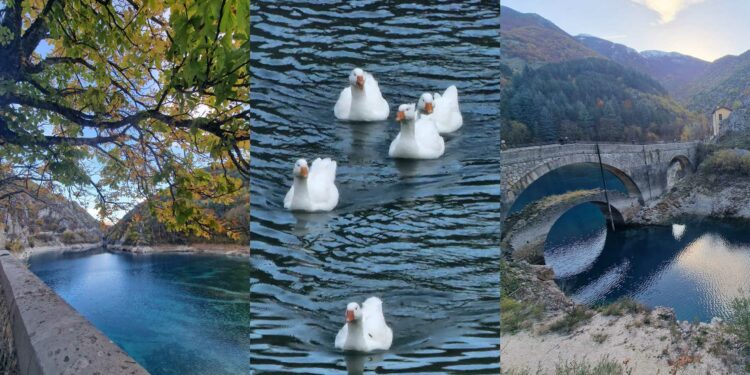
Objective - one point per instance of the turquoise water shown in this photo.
(173, 313)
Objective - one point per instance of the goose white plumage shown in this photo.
(418, 139)
(314, 189)
(365, 329)
(361, 100)
(443, 109)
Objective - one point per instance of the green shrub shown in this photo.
(727, 162)
(622, 306)
(508, 279)
(69, 237)
(515, 315)
(599, 337)
(571, 321)
(44, 237)
(14, 246)
(705, 150)
(605, 366)
(520, 372)
(739, 319)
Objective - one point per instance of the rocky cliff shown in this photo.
(139, 231)
(32, 221)
(703, 194)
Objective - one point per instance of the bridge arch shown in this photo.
(567, 263)
(525, 232)
(517, 188)
(684, 162)
(679, 167)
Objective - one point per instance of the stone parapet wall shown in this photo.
(49, 336)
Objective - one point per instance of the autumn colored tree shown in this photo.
(128, 99)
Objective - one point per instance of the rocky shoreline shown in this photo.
(557, 331)
(74, 248)
(547, 328)
(700, 195)
(197, 248)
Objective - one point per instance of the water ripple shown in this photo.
(421, 235)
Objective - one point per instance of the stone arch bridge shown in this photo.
(647, 171)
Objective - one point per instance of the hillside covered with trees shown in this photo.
(580, 98)
(529, 39)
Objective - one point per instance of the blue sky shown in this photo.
(707, 29)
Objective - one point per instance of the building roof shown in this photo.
(721, 107)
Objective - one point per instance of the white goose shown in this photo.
(313, 189)
(443, 109)
(365, 329)
(418, 139)
(362, 100)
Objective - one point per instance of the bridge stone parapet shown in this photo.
(643, 169)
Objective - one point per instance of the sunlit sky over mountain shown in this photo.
(707, 29)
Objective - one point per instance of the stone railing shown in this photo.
(47, 335)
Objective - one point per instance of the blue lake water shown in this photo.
(173, 313)
(420, 235)
(694, 265)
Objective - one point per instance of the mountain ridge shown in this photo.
(673, 70)
(587, 83)
(533, 41)
(528, 38)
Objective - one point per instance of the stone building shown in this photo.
(719, 114)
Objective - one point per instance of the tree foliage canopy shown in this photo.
(130, 99)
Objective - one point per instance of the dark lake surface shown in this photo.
(173, 313)
(421, 235)
(696, 266)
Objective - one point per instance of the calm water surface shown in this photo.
(420, 235)
(696, 266)
(173, 313)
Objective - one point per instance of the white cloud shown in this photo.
(667, 9)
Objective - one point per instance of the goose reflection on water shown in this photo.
(355, 362)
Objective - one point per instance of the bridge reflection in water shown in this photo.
(644, 171)
(641, 168)
(696, 266)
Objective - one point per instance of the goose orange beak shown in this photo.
(303, 172)
(428, 107)
(361, 82)
(349, 316)
(400, 116)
